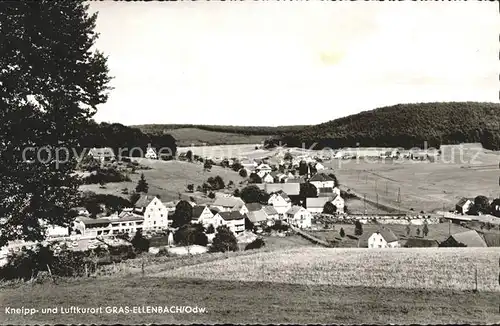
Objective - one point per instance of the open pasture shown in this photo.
(422, 185)
(429, 268)
(167, 178)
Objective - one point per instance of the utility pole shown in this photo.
(376, 181)
(399, 195)
(386, 188)
(378, 212)
(364, 202)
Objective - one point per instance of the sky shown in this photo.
(291, 63)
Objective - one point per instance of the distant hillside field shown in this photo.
(187, 135)
(406, 125)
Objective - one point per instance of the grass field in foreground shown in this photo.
(248, 302)
(416, 268)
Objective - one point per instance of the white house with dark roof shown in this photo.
(323, 183)
(151, 153)
(299, 216)
(272, 214)
(316, 204)
(464, 205)
(383, 238)
(291, 189)
(154, 212)
(280, 201)
(202, 215)
(268, 178)
(234, 220)
(102, 153)
(264, 168)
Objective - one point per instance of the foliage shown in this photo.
(183, 214)
(278, 226)
(358, 228)
(303, 168)
(244, 130)
(254, 178)
(342, 232)
(52, 81)
(104, 175)
(134, 197)
(425, 230)
(405, 125)
(236, 192)
(481, 205)
(211, 195)
(207, 165)
(190, 187)
(243, 173)
(237, 167)
(253, 194)
(329, 208)
(308, 190)
(139, 242)
(190, 234)
(256, 244)
(494, 204)
(408, 230)
(288, 156)
(335, 180)
(418, 231)
(92, 202)
(216, 183)
(189, 156)
(224, 240)
(142, 185)
(210, 229)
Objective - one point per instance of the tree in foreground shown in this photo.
(253, 194)
(191, 234)
(256, 244)
(329, 208)
(139, 242)
(425, 229)
(52, 80)
(142, 185)
(183, 214)
(224, 240)
(358, 228)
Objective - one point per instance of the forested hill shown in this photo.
(406, 125)
(156, 129)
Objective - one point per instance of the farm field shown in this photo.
(166, 178)
(195, 136)
(437, 232)
(423, 185)
(247, 303)
(429, 268)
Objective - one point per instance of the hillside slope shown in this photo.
(406, 125)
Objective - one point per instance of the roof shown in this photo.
(283, 195)
(270, 210)
(321, 177)
(144, 201)
(197, 211)
(469, 238)
(462, 201)
(420, 243)
(252, 207)
(291, 189)
(257, 216)
(234, 215)
(92, 221)
(294, 209)
(296, 180)
(264, 166)
(317, 202)
(492, 239)
(228, 201)
(128, 217)
(103, 151)
(387, 234)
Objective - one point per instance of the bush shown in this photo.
(190, 234)
(101, 176)
(243, 173)
(140, 243)
(256, 244)
(224, 240)
(211, 195)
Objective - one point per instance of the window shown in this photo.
(154, 223)
(380, 246)
(161, 215)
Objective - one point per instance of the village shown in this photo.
(286, 193)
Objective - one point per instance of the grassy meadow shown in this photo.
(416, 268)
(196, 136)
(166, 178)
(426, 186)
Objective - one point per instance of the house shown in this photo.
(339, 202)
(89, 227)
(421, 243)
(297, 180)
(298, 216)
(280, 178)
(383, 238)
(268, 178)
(468, 239)
(202, 215)
(102, 154)
(323, 181)
(249, 165)
(316, 205)
(291, 189)
(272, 214)
(151, 154)
(80, 211)
(234, 220)
(264, 168)
(154, 212)
(318, 166)
(280, 201)
(256, 218)
(464, 205)
(54, 231)
(227, 204)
